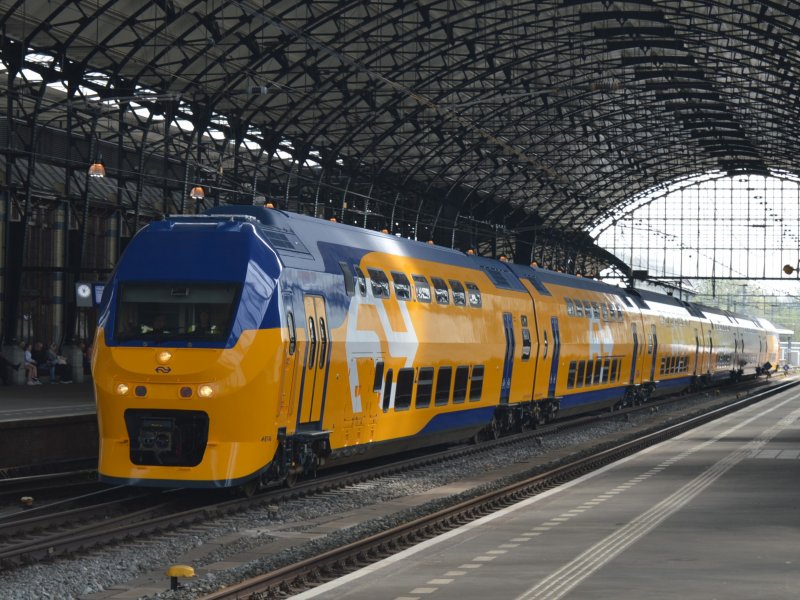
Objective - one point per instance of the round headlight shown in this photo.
(122, 389)
(205, 391)
(164, 357)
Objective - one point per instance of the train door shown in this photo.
(289, 371)
(551, 389)
(635, 356)
(315, 365)
(654, 343)
(508, 358)
(697, 368)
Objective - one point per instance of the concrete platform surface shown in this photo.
(46, 400)
(714, 513)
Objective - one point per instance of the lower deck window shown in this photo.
(405, 385)
(460, 385)
(443, 385)
(476, 387)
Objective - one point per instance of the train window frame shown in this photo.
(441, 397)
(570, 307)
(379, 283)
(606, 370)
(473, 295)
(387, 390)
(476, 384)
(573, 367)
(526, 344)
(424, 387)
(402, 287)
(598, 372)
(404, 389)
(460, 384)
(614, 369)
(604, 311)
(440, 291)
(578, 308)
(378, 381)
(596, 310)
(587, 381)
(349, 278)
(292, 332)
(580, 374)
(612, 315)
(422, 288)
(587, 309)
(362, 281)
(459, 294)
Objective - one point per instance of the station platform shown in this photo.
(712, 513)
(47, 424)
(35, 401)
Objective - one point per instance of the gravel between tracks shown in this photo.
(97, 574)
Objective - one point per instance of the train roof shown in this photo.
(306, 242)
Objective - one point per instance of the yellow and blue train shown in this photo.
(250, 345)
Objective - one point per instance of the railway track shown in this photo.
(82, 523)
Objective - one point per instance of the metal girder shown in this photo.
(542, 109)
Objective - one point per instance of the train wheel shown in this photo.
(291, 480)
(249, 489)
(494, 430)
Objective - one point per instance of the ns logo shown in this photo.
(163, 369)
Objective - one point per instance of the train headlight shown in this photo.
(164, 357)
(205, 391)
(122, 389)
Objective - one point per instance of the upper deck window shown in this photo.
(361, 280)
(402, 288)
(440, 291)
(474, 295)
(422, 287)
(380, 283)
(459, 296)
(570, 307)
(161, 311)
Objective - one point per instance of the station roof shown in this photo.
(527, 115)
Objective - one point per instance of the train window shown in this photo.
(349, 280)
(596, 310)
(620, 315)
(587, 309)
(380, 283)
(578, 308)
(571, 375)
(526, 343)
(474, 295)
(524, 320)
(663, 370)
(362, 281)
(440, 291)
(649, 343)
(376, 385)
(292, 332)
(614, 367)
(579, 376)
(402, 288)
(387, 390)
(589, 372)
(598, 370)
(423, 289)
(459, 296)
(405, 385)
(442, 394)
(476, 387)
(323, 336)
(460, 384)
(604, 310)
(570, 307)
(612, 314)
(424, 387)
(312, 334)
(606, 370)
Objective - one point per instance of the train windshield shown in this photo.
(157, 311)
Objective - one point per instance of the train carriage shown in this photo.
(248, 345)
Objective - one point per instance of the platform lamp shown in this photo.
(789, 269)
(197, 193)
(97, 168)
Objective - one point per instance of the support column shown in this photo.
(3, 226)
(112, 240)
(58, 250)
